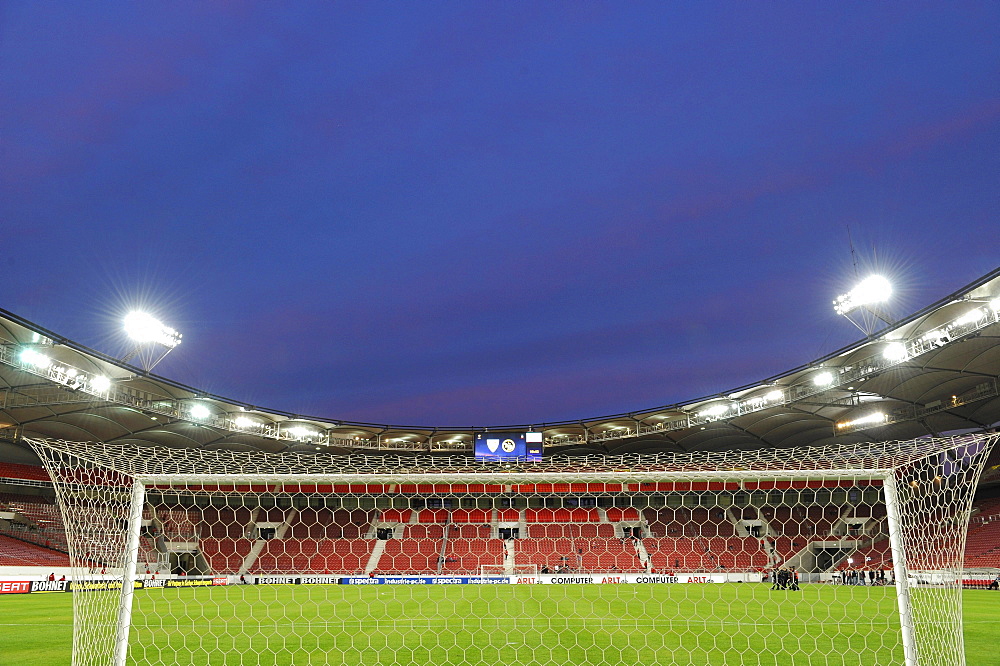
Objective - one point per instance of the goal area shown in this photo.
(823, 555)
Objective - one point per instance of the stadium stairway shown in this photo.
(260, 544)
(508, 557)
(251, 558)
(773, 559)
(442, 551)
(377, 550)
(642, 553)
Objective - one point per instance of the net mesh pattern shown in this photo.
(752, 557)
(131, 461)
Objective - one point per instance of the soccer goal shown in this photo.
(517, 570)
(835, 555)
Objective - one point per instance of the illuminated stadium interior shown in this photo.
(932, 372)
(699, 492)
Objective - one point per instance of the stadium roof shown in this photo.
(933, 372)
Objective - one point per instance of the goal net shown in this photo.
(837, 555)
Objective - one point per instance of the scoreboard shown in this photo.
(508, 445)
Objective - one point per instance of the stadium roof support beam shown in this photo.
(746, 432)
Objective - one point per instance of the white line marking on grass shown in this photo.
(477, 625)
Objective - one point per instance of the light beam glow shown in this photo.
(143, 327)
(35, 359)
(871, 290)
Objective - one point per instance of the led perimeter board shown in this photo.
(504, 445)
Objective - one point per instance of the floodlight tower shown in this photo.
(865, 300)
(154, 340)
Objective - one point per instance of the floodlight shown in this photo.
(149, 334)
(143, 327)
(715, 410)
(823, 379)
(200, 411)
(37, 359)
(244, 422)
(874, 417)
(970, 317)
(871, 290)
(895, 351)
(775, 396)
(995, 305)
(938, 337)
(100, 383)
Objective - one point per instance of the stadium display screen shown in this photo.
(507, 445)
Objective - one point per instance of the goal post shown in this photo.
(133, 527)
(894, 524)
(175, 552)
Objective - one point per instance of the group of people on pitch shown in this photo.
(857, 577)
(785, 578)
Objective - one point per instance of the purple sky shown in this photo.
(477, 213)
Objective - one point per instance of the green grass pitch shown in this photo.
(499, 624)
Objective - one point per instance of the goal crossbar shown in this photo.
(508, 478)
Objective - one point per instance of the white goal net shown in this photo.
(509, 568)
(839, 555)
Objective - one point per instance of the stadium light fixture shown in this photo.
(715, 410)
(938, 337)
(895, 351)
(995, 305)
(300, 432)
(244, 422)
(35, 359)
(99, 384)
(871, 290)
(150, 336)
(866, 296)
(970, 317)
(823, 379)
(199, 411)
(143, 327)
(867, 419)
(775, 396)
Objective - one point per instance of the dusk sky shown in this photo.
(482, 213)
